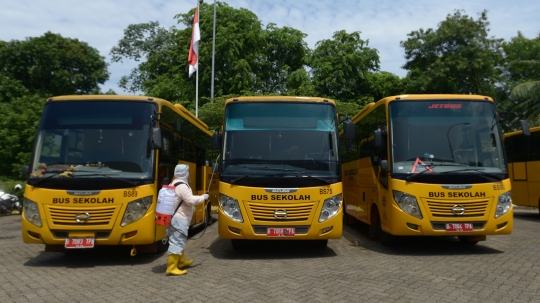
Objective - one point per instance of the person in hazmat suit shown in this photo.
(178, 230)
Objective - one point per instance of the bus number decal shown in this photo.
(498, 186)
(130, 193)
(325, 191)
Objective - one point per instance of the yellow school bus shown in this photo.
(523, 152)
(98, 164)
(428, 165)
(280, 173)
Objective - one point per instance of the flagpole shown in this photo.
(213, 52)
(197, 75)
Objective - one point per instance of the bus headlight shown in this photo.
(408, 204)
(135, 210)
(504, 204)
(31, 212)
(231, 208)
(330, 207)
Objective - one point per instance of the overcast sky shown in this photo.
(384, 23)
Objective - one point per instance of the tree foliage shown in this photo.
(522, 59)
(18, 122)
(456, 58)
(340, 66)
(527, 101)
(53, 65)
(248, 58)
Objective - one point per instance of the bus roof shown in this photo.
(279, 99)
(183, 111)
(426, 97)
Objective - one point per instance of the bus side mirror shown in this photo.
(384, 165)
(525, 127)
(378, 139)
(26, 171)
(348, 129)
(216, 140)
(156, 137)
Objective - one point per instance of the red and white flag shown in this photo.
(193, 58)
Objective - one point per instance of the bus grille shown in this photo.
(443, 208)
(295, 212)
(66, 216)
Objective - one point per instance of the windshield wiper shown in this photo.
(240, 178)
(107, 176)
(304, 174)
(480, 170)
(429, 167)
(271, 168)
(43, 179)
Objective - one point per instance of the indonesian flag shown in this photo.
(193, 58)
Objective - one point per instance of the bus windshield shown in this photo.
(280, 138)
(94, 139)
(450, 136)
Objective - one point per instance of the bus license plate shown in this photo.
(280, 232)
(79, 243)
(459, 227)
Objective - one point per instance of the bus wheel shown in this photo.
(375, 224)
(466, 240)
(209, 219)
(376, 232)
(345, 216)
(162, 245)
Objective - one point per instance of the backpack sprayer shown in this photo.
(166, 200)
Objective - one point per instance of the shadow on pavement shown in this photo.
(357, 235)
(85, 258)
(269, 249)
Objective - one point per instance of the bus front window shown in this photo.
(92, 139)
(449, 135)
(276, 138)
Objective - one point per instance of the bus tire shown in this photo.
(466, 241)
(376, 232)
(374, 224)
(162, 245)
(345, 216)
(208, 217)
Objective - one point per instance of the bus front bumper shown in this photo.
(231, 229)
(407, 225)
(140, 232)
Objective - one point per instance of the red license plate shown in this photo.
(280, 232)
(459, 227)
(79, 243)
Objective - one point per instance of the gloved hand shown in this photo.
(205, 196)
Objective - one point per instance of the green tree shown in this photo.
(283, 52)
(18, 122)
(340, 66)
(526, 98)
(141, 43)
(456, 58)
(384, 84)
(53, 65)
(522, 59)
(299, 84)
(163, 71)
(520, 73)
(11, 89)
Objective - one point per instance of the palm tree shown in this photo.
(527, 96)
